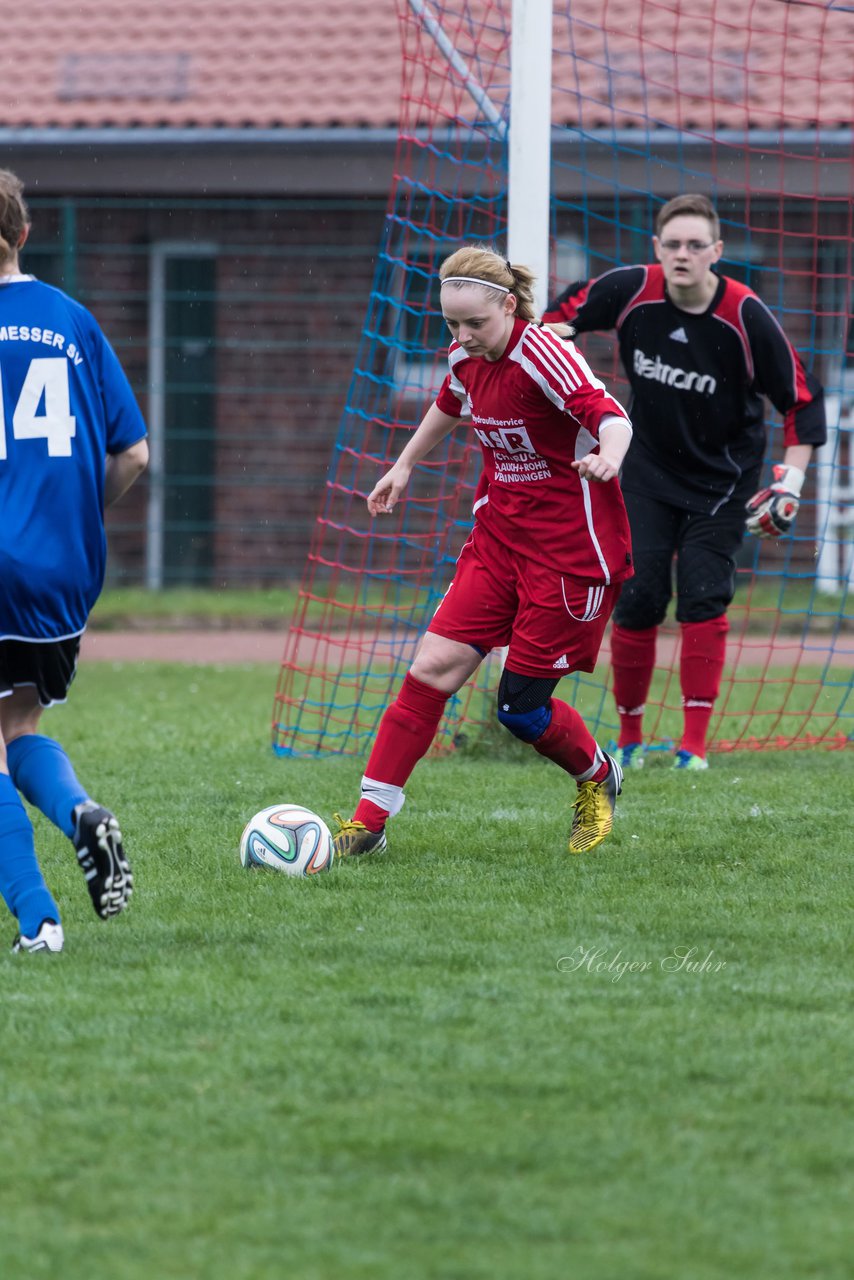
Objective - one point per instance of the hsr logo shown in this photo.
(510, 439)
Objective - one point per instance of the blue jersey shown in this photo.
(65, 405)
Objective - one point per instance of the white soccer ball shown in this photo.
(289, 838)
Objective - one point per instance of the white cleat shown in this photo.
(49, 938)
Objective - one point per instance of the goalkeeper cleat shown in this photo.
(48, 938)
(687, 760)
(352, 839)
(98, 842)
(594, 809)
(630, 756)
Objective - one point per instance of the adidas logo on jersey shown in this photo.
(561, 664)
(592, 605)
(678, 335)
(671, 376)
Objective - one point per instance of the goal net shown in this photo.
(750, 104)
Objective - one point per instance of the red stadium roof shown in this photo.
(199, 63)
(297, 63)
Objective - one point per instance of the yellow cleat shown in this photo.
(594, 809)
(352, 839)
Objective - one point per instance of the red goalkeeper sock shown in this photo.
(406, 731)
(569, 743)
(633, 662)
(701, 667)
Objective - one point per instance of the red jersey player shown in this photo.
(542, 568)
(700, 351)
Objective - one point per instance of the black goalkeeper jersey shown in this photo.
(697, 383)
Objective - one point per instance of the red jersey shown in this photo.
(536, 410)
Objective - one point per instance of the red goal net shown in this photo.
(751, 104)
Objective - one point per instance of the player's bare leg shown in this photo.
(407, 729)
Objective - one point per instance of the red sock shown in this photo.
(570, 744)
(371, 814)
(406, 731)
(633, 662)
(701, 667)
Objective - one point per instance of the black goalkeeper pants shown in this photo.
(705, 548)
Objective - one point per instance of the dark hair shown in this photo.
(14, 215)
(689, 206)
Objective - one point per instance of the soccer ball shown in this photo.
(287, 838)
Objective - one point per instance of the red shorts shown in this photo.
(552, 624)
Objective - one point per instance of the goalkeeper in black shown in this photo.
(700, 352)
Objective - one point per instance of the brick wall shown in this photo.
(292, 283)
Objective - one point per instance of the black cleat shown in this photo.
(98, 842)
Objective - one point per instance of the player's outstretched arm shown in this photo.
(593, 304)
(435, 425)
(122, 469)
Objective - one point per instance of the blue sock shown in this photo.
(21, 882)
(44, 775)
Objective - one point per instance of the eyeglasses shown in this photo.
(693, 246)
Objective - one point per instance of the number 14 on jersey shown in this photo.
(43, 411)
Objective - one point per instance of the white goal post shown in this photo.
(528, 132)
(529, 146)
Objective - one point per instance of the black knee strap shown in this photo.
(524, 704)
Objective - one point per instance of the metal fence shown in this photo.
(237, 322)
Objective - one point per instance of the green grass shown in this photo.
(774, 601)
(176, 607)
(816, 704)
(394, 1070)
(120, 606)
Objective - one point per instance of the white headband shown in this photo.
(474, 280)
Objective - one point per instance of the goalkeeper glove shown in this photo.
(772, 511)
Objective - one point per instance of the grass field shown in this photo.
(773, 600)
(474, 1059)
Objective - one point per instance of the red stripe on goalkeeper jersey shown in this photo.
(803, 396)
(736, 323)
(570, 307)
(651, 290)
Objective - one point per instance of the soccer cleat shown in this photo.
(631, 756)
(687, 760)
(49, 938)
(352, 839)
(594, 809)
(98, 842)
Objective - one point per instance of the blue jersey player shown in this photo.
(72, 440)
